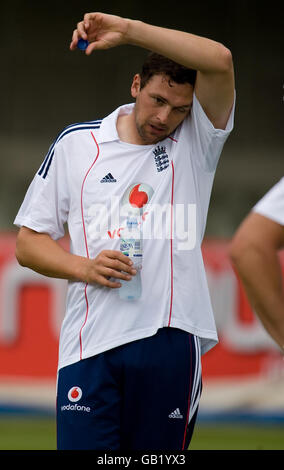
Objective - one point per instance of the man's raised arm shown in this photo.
(213, 61)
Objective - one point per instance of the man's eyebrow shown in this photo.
(184, 106)
(159, 97)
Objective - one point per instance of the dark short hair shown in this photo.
(156, 64)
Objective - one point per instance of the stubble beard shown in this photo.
(146, 137)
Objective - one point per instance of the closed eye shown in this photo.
(159, 100)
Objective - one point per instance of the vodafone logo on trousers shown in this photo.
(74, 395)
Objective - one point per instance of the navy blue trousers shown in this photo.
(143, 395)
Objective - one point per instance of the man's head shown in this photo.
(163, 93)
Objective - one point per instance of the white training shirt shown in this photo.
(272, 203)
(86, 175)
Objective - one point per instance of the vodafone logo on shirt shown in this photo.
(137, 196)
(108, 221)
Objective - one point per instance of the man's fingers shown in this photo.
(97, 45)
(109, 272)
(87, 19)
(91, 47)
(108, 283)
(115, 254)
(81, 30)
(118, 265)
(74, 40)
(116, 268)
(108, 266)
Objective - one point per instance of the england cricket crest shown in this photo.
(161, 158)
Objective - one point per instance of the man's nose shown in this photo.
(163, 114)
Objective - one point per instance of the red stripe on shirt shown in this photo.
(172, 280)
(86, 241)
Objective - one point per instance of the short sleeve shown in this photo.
(272, 203)
(46, 204)
(206, 141)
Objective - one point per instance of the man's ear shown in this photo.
(135, 87)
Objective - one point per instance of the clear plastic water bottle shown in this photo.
(131, 245)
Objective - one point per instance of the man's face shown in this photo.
(160, 107)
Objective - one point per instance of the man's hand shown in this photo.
(109, 264)
(101, 30)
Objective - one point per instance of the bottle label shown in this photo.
(131, 247)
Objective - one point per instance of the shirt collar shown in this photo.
(108, 129)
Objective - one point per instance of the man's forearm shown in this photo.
(192, 51)
(42, 254)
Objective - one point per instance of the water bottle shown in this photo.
(131, 245)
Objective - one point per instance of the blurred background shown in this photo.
(45, 87)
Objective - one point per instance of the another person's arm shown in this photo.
(254, 253)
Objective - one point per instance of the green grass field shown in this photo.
(40, 434)
(238, 437)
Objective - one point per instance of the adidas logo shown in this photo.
(108, 179)
(176, 414)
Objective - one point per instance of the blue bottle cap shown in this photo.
(82, 44)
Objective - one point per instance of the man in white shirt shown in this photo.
(255, 254)
(143, 356)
